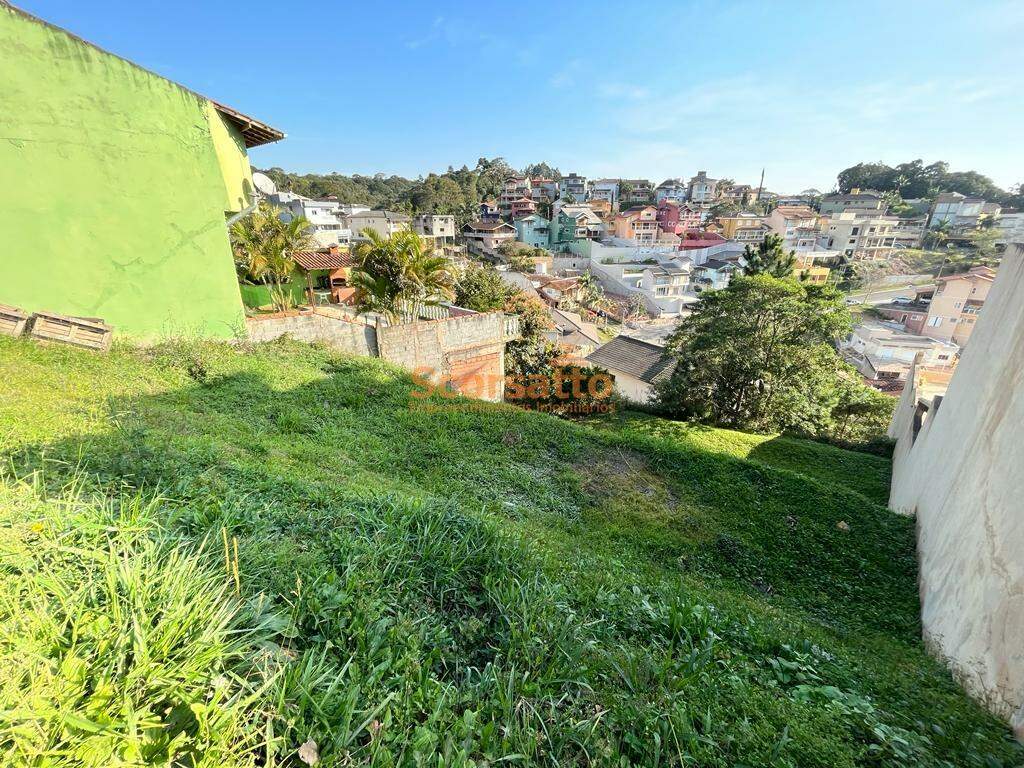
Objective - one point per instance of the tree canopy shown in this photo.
(481, 289)
(915, 179)
(759, 355)
(769, 258)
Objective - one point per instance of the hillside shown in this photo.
(215, 556)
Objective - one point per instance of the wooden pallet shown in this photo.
(81, 331)
(12, 320)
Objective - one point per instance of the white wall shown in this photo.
(630, 386)
(964, 479)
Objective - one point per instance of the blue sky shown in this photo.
(631, 89)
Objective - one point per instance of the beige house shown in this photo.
(440, 228)
(796, 224)
(956, 301)
(870, 237)
(639, 223)
(486, 236)
(881, 352)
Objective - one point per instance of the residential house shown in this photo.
(559, 292)
(573, 186)
(670, 189)
(326, 275)
(743, 227)
(867, 202)
(489, 210)
(484, 237)
(575, 222)
(696, 239)
(702, 189)
(741, 194)
(662, 280)
(870, 237)
(637, 366)
(438, 227)
(635, 192)
(515, 189)
(958, 211)
(603, 209)
(575, 337)
(137, 179)
(607, 190)
(676, 217)
(714, 274)
(533, 230)
(639, 224)
(795, 224)
(911, 315)
(327, 222)
(543, 190)
(384, 223)
(1010, 227)
(522, 206)
(880, 351)
(955, 302)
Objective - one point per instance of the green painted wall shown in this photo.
(257, 296)
(112, 190)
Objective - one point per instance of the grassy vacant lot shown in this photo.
(217, 556)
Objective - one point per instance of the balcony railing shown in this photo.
(511, 327)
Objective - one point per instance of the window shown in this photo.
(935, 322)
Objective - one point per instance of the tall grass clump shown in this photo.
(120, 644)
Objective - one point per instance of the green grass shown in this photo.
(211, 555)
(864, 473)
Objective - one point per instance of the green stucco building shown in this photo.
(115, 187)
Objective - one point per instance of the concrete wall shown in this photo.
(315, 325)
(964, 479)
(114, 184)
(466, 353)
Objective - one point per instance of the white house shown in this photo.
(636, 365)
(384, 223)
(325, 216)
(881, 351)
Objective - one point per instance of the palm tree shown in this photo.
(263, 244)
(398, 274)
(938, 235)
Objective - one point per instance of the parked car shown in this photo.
(902, 300)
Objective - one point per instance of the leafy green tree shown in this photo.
(723, 208)
(522, 261)
(770, 258)
(543, 171)
(532, 353)
(263, 244)
(759, 355)
(982, 242)
(938, 235)
(481, 289)
(398, 274)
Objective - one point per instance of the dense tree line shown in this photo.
(456, 192)
(917, 180)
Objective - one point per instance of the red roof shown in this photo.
(323, 259)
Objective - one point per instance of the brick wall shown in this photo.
(467, 352)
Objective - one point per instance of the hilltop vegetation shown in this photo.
(216, 555)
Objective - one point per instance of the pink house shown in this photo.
(676, 217)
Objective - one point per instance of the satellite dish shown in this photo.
(263, 184)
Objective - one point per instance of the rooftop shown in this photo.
(642, 359)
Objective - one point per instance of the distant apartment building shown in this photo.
(868, 202)
(879, 351)
(533, 230)
(670, 189)
(439, 227)
(574, 186)
(325, 217)
(607, 190)
(635, 192)
(702, 189)
(870, 237)
(639, 224)
(384, 223)
(677, 217)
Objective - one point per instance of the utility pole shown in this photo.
(760, 186)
